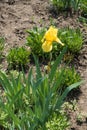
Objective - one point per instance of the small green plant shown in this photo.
(70, 106)
(67, 5)
(83, 7)
(71, 4)
(72, 39)
(80, 118)
(1, 47)
(58, 121)
(57, 6)
(70, 76)
(18, 57)
(34, 40)
(15, 73)
(31, 101)
(82, 19)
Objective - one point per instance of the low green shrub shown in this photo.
(83, 7)
(31, 101)
(70, 76)
(57, 6)
(72, 38)
(67, 5)
(18, 57)
(58, 121)
(82, 19)
(34, 40)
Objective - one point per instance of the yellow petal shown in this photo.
(49, 37)
(58, 40)
(51, 34)
(47, 46)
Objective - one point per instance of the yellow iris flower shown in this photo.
(49, 37)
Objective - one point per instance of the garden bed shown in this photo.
(17, 17)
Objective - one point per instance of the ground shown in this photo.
(17, 17)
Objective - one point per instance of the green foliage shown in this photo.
(70, 76)
(72, 39)
(3, 118)
(80, 118)
(58, 121)
(57, 5)
(82, 19)
(65, 5)
(71, 4)
(34, 40)
(1, 47)
(70, 106)
(18, 57)
(31, 100)
(83, 7)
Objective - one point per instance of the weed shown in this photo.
(18, 57)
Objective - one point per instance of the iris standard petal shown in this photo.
(51, 34)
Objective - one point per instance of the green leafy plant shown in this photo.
(71, 4)
(31, 101)
(83, 7)
(72, 39)
(80, 118)
(3, 119)
(82, 19)
(68, 5)
(34, 40)
(58, 121)
(57, 6)
(1, 47)
(70, 106)
(18, 57)
(70, 76)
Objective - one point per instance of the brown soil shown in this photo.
(17, 17)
